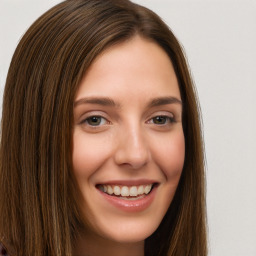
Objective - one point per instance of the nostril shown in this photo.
(133, 160)
(132, 149)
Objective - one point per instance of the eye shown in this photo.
(162, 120)
(159, 119)
(95, 121)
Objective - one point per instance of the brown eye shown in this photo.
(95, 121)
(162, 120)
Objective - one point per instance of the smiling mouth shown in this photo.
(127, 192)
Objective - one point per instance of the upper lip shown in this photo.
(128, 182)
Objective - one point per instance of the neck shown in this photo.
(93, 245)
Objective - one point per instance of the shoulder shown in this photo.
(3, 251)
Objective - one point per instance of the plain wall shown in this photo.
(219, 38)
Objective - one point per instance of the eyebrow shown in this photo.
(164, 101)
(105, 101)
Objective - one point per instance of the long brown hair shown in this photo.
(38, 210)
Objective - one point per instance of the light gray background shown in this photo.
(220, 42)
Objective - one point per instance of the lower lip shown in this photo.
(138, 205)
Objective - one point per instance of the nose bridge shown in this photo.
(132, 147)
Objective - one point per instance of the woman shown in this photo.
(101, 149)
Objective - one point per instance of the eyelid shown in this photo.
(86, 120)
(161, 113)
(83, 120)
(89, 114)
(168, 115)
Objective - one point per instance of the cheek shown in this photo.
(170, 155)
(89, 153)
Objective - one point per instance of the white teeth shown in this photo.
(147, 189)
(117, 190)
(133, 191)
(141, 190)
(110, 190)
(126, 191)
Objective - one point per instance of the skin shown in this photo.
(132, 140)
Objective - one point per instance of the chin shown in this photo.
(127, 229)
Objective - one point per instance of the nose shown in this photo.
(132, 148)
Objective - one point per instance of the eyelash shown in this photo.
(86, 121)
(167, 120)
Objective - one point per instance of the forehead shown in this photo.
(135, 67)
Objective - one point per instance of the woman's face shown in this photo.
(128, 150)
